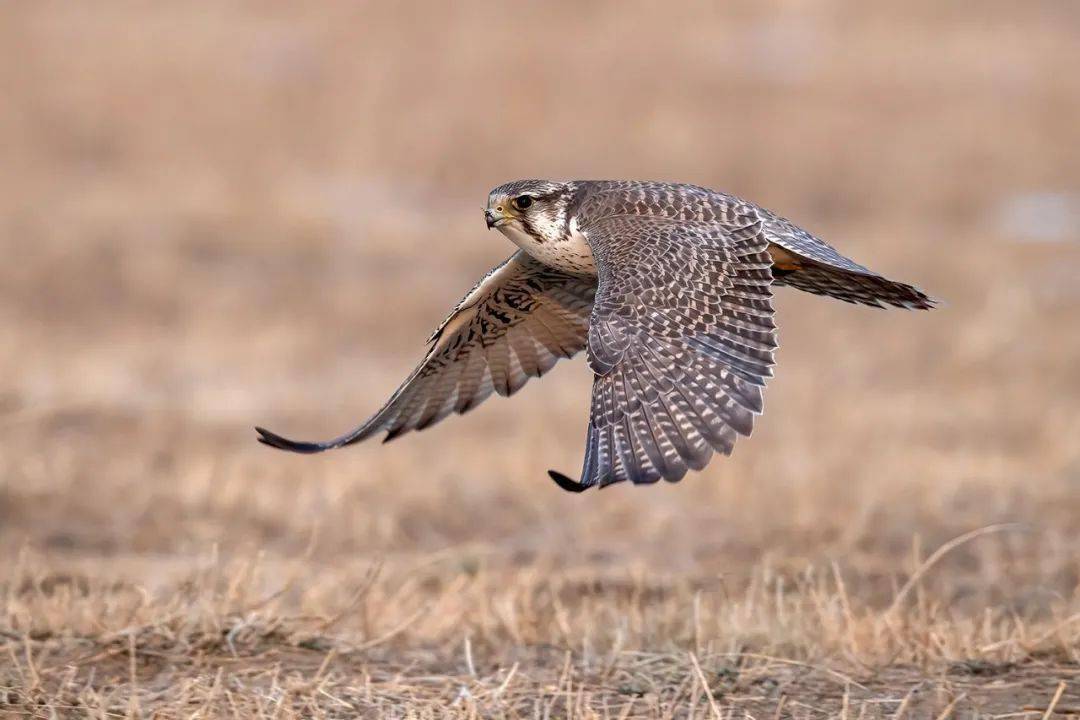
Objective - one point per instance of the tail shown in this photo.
(853, 287)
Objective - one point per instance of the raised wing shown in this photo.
(518, 321)
(807, 263)
(681, 341)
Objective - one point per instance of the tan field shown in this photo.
(219, 215)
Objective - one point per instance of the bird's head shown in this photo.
(537, 208)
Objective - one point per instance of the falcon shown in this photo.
(668, 288)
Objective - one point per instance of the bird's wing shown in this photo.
(817, 267)
(681, 340)
(515, 324)
(794, 239)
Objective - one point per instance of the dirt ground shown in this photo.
(217, 216)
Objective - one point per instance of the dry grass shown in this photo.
(221, 215)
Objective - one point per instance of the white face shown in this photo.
(535, 208)
(538, 223)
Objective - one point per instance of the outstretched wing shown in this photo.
(807, 263)
(681, 340)
(515, 324)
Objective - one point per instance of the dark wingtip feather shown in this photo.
(910, 297)
(927, 302)
(566, 483)
(276, 441)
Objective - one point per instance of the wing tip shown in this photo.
(910, 297)
(281, 443)
(572, 486)
(929, 302)
(392, 434)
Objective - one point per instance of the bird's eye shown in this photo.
(522, 202)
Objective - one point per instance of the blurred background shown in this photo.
(220, 215)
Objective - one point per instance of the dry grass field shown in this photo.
(216, 215)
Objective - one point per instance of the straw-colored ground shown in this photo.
(217, 215)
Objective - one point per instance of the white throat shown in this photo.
(572, 255)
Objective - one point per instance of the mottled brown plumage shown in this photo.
(668, 287)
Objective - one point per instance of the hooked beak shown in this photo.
(493, 218)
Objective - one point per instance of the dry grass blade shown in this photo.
(951, 707)
(1055, 700)
(902, 708)
(839, 677)
(941, 552)
(705, 687)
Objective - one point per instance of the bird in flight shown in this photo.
(668, 287)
